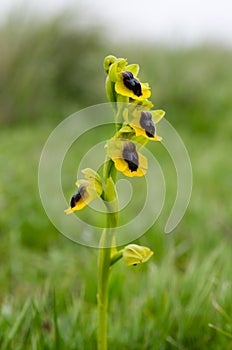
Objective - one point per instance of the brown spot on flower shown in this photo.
(131, 83)
(130, 155)
(147, 124)
(77, 196)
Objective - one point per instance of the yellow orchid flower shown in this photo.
(124, 77)
(82, 197)
(130, 86)
(126, 158)
(88, 190)
(143, 122)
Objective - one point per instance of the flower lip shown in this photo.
(147, 123)
(77, 196)
(130, 155)
(127, 159)
(131, 83)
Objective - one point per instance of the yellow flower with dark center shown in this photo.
(85, 194)
(130, 86)
(88, 190)
(126, 158)
(124, 79)
(144, 122)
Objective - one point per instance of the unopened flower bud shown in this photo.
(134, 254)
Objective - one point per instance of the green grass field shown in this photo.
(49, 284)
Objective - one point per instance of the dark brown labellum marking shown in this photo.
(130, 155)
(77, 196)
(131, 83)
(147, 124)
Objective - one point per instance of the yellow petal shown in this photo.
(120, 164)
(157, 115)
(158, 138)
(94, 179)
(138, 173)
(68, 211)
(80, 205)
(140, 131)
(142, 162)
(121, 89)
(144, 103)
(146, 92)
(133, 68)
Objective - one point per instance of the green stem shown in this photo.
(116, 257)
(103, 279)
(109, 171)
(107, 238)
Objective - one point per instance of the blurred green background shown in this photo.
(49, 70)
